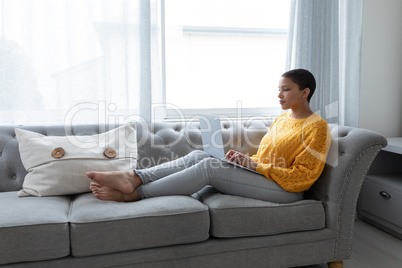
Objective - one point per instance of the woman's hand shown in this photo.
(241, 159)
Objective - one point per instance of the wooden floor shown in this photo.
(372, 248)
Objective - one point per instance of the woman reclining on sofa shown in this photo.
(290, 158)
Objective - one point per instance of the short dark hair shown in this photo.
(303, 78)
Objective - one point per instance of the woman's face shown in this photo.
(290, 96)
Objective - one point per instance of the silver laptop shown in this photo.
(211, 133)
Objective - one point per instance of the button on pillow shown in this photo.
(58, 153)
(110, 153)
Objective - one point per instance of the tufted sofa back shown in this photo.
(161, 142)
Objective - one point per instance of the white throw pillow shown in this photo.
(57, 165)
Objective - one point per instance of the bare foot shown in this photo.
(108, 194)
(122, 181)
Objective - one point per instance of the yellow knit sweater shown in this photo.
(293, 152)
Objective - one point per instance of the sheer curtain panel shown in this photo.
(325, 38)
(79, 61)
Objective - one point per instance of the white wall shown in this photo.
(381, 73)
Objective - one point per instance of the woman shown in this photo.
(290, 158)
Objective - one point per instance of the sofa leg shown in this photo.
(335, 264)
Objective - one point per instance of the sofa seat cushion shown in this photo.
(233, 216)
(99, 227)
(33, 228)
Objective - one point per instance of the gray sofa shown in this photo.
(208, 229)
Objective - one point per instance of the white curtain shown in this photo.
(325, 38)
(79, 61)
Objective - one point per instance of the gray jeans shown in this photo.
(191, 173)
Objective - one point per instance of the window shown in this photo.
(88, 60)
(224, 55)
